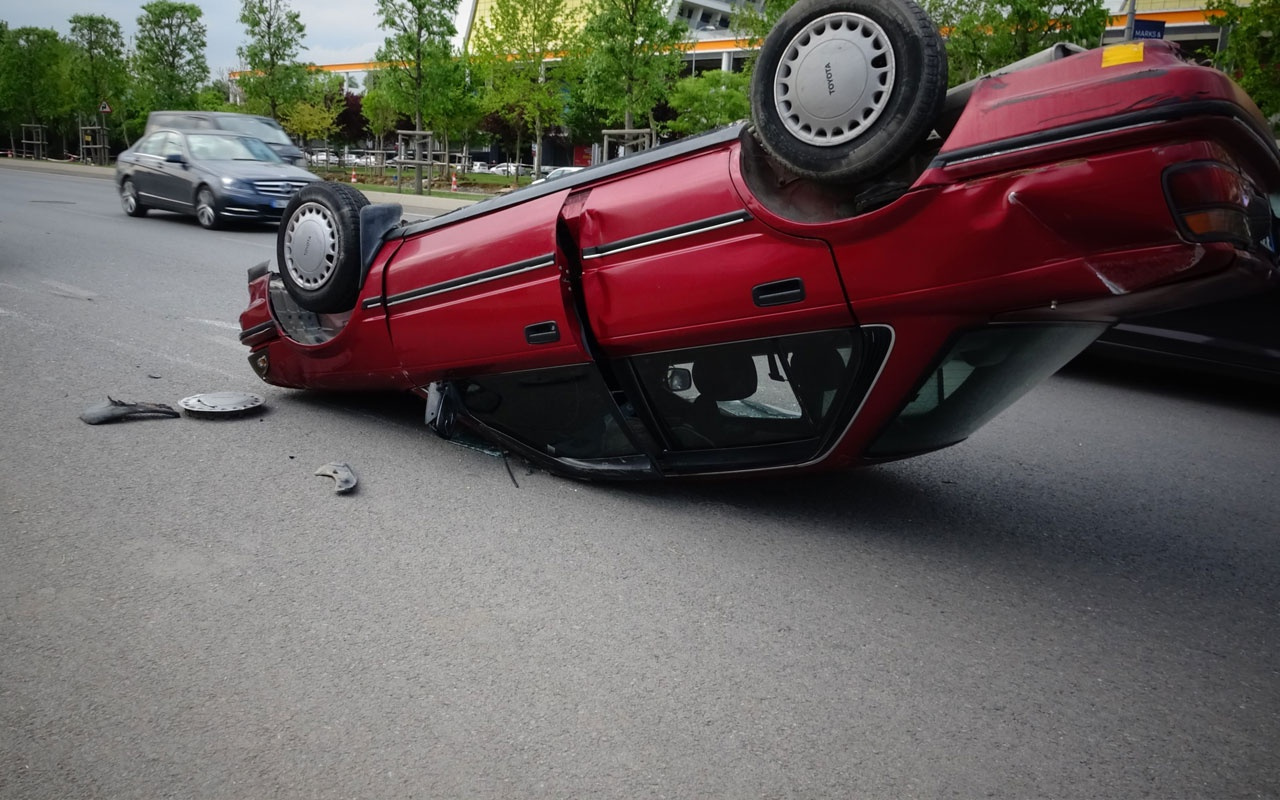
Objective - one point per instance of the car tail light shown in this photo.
(1210, 201)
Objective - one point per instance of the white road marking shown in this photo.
(133, 348)
(217, 323)
(67, 290)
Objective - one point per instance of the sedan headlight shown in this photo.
(237, 185)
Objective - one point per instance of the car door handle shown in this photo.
(542, 333)
(778, 293)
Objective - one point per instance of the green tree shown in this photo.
(1252, 54)
(310, 119)
(34, 84)
(511, 46)
(216, 94)
(380, 113)
(273, 77)
(632, 54)
(315, 117)
(753, 21)
(98, 71)
(169, 54)
(984, 35)
(710, 100)
(422, 76)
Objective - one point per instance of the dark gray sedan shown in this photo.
(214, 175)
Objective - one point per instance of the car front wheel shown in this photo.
(318, 246)
(844, 89)
(129, 199)
(207, 209)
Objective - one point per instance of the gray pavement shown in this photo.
(413, 204)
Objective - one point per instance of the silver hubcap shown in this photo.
(311, 246)
(204, 209)
(834, 80)
(129, 196)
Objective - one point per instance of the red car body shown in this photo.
(1066, 196)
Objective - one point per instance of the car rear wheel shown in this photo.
(129, 199)
(318, 246)
(844, 89)
(207, 209)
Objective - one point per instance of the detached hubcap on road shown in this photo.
(835, 79)
(311, 246)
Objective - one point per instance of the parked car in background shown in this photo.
(1237, 337)
(323, 158)
(480, 167)
(557, 172)
(264, 128)
(214, 175)
(511, 169)
(872, 269)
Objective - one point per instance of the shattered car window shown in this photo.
(750, 393)
(563, 411)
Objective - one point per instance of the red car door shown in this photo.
(671, 258)
(482, 295)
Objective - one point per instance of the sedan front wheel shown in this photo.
(129, 199)
(207, 209)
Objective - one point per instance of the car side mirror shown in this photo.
(679, 379)
(175, 158)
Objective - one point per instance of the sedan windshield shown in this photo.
(262, 129)
(217, 147)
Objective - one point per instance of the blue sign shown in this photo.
(1148, 29)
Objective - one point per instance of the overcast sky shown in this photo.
(338, 31)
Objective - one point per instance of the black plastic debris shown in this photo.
(114, 410)
(220, 404)
(343, 477)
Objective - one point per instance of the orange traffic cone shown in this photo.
(454, 185)
(353, 174)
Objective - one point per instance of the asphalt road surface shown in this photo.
(1080, 601)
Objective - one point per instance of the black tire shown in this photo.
(854, 120)
(129, 200)
(318, 246)
(207, 209)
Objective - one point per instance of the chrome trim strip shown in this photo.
(454, 284)
(1038, 145)
(666, 234)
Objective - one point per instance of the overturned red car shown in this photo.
(871, 269)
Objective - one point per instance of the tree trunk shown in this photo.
(515, 173)
(417, 152)
(537, 148)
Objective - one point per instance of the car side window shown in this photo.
(151, 145)
(172, 144)
(759, 392)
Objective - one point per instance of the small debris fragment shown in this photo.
(113, 410)
(344, 478)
